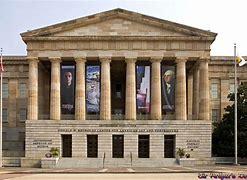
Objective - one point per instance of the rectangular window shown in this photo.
(23, 90)
(92, 146)
(214, 91)
(169, 146)
(143, 146)
(243, 83)
(232, 90)
(117, 146)
(5, 90)
(215, 115)
(22, 140)
(118, 91)
(5, 115)
(23, 114)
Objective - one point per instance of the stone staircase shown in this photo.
(79, 163)
(11, 161)
(113, 162)
(161, 162)
(196, 161)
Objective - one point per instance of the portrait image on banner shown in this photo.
(168, 88)
(93, 89)
(143, 89)
(68, 89)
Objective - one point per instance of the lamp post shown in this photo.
(236, 107)
(1, 109)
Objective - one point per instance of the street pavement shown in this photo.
(174, 172)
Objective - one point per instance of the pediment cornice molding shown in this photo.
(118, 13)
(117, 38)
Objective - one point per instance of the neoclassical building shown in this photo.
(117, 88)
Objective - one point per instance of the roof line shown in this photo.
(122, 13)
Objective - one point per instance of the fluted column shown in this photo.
(195, 102)
(32, 89)
(203, 90)
(189, 98)
(130, 99)
(180, 96)
(80, 104)
(55, 101)
(156, 113)
(105, 94)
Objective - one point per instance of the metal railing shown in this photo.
(130, 159)
(103, 160)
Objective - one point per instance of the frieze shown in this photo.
(116, 130)
(117, 125)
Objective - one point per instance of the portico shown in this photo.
(128, 98)
(105, 107)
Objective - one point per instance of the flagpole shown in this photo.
(236, 107)
(1, 111)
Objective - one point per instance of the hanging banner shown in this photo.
(68, 89)
(143, 89)
(93, 89)
(168, 88)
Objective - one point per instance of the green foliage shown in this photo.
(223, 135)
(180, 152)
(55, 152)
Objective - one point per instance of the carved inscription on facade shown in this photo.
(42, 143)
(116, 130)
(193, 143)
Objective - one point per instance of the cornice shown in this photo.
(118, 38)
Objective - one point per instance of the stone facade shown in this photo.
(121, 37)
(39, 143)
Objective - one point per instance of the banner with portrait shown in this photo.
(68, 89)
(93, 89)
(168, 88)
(143, 89)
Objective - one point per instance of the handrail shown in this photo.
(104, 160)
(131, 159)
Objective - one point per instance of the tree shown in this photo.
(223, 135)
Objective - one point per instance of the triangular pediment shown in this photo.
(119, 27)
(118, 22)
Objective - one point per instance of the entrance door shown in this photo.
(66, 145)
(143, 146)
(92, 146)
(117, 146)
(169, 146)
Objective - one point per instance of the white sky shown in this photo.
(228, 18)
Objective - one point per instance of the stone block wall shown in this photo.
(193, 136)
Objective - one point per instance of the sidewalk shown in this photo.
(173, 169)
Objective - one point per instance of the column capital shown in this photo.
(80, 59)
(156, 59)
(130, 60)
(55, 59)
(30, 58)
(204, 59)
(181, 59)
(105, 59)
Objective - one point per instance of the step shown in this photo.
(114, 162)
(11, 161)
